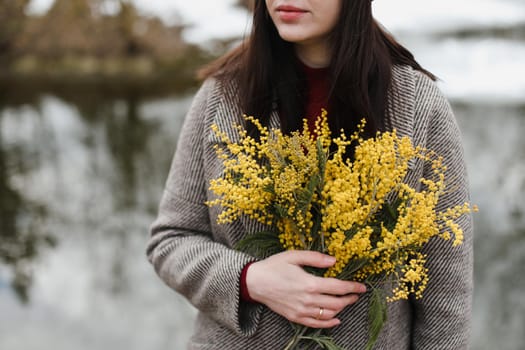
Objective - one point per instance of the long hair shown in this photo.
(362, 56)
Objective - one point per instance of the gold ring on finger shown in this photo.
(321, 311)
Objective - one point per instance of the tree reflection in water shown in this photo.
(111, 125)
(21, 220)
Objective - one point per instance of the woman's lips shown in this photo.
(290, 13)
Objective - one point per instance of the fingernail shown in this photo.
(329, 259)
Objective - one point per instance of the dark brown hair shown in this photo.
(362, 56)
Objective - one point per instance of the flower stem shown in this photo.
(299, 333)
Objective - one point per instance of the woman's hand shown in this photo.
(285, 287)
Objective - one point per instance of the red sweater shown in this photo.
(317, 93)
(317, 98)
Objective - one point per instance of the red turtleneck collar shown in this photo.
(317, 92)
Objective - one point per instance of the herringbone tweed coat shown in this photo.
(192, 253)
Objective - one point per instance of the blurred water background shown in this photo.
(83, 162)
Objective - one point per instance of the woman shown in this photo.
(303, 55)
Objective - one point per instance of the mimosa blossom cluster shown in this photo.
(357, 209)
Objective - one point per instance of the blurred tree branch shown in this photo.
(92, 37)
(80, 27)
(12, 20)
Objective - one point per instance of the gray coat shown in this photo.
(192, 253)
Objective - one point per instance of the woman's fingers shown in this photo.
(337, 287)
(310, 316)
(322, 285)
(309, 258)
(334, 303)
(318, 323)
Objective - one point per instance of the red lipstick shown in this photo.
(290, 13)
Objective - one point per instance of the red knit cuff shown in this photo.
(245, 295)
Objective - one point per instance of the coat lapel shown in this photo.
(401, 101)
(401, 104)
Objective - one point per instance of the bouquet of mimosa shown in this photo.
(311, 196)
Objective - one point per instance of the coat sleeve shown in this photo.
(181, 246)
(442, 317)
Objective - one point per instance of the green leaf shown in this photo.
(377, 315)
(318, 239)
(329, 344)
(351, 268)
(281, 211)
(260, 244)
(388, 214)
(325, 342)
(321, 157)
(349, 234)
